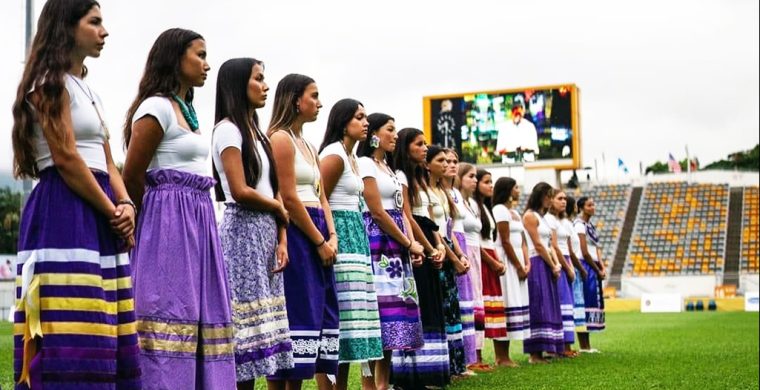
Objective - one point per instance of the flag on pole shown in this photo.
(673, 165)
(621, 165)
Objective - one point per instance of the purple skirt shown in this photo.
(312, 304)
(397, 296)
(545, 316)
(82, 292)
(467, 307)
(566, 304)
(182, 300)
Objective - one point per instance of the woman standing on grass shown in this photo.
(512, 245)
(561, 246)
(74, 319)
(360, 340)
(495, 313)
(393, 247)
(468, 183)
(464, 281)
(310, 291)
(179, 273)
(443, 211)
(428, 366)
(545, 318)
(591, 259)
(579, 309)
(252, 230)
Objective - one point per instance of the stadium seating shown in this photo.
(611, 205)
(749, 247)
(680, 229)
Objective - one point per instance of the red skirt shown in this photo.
(496, 317)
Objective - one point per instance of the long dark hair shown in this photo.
(162, 71)
(340, 115)
(376, 121)
(537, 196)
(401, 161)
(484, 206)
(46, 67)
(502, 190)
(289, 90)
(232, 103)
(434, 150)
(570, 207)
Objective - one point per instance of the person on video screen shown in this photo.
(518, 137)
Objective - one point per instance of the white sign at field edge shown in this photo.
(661, 303)
(752, 301)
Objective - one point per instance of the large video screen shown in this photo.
(534, 127)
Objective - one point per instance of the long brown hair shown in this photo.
(49, 61)
(289, 90)
(162, 71)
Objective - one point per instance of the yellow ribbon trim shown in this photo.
(32, 327)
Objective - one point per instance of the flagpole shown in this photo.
(688, 164)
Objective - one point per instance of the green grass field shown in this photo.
(702, 350)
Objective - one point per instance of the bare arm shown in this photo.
(530, 221)
(375, 205)
(416, 229)
(283, 152)
(330, 168)
(146, 136)
(246, 196)
(123, 221)
(70, 164)
(574, 259)
(587, 255)
(506, 243)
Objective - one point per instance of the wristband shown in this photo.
(321, 243)
(128, 202)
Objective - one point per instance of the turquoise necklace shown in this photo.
(187, 111)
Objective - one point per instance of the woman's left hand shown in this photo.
(123, 221)
(282, 257)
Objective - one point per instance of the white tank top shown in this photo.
(348, 190)
(307, 173)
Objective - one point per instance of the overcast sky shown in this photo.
(654, 75)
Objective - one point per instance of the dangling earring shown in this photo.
(374, 141)
(298, 109)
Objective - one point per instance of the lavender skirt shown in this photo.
(182, 300)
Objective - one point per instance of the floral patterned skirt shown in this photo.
(396, 289)
(259, 316)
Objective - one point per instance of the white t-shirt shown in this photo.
(422, 209)
(439, 210)
(502, 214)
(574, 239)
(180, 149)
(227, 135)
(487, 243)
(562, 233)
(458, 224)
(88, 133)
(521, 135)
(388, 185)
(580, 228)
(348, 189)
(472, 224)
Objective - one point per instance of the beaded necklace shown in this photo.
(313, 162)
(398, 196)
(188, 112)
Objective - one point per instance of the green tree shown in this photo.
(10, 213)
